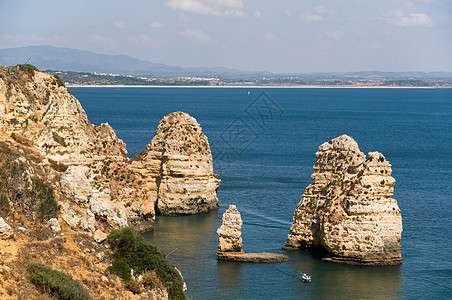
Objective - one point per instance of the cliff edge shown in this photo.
(101, 187)
(347, 211)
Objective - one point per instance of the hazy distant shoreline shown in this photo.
(259, 86)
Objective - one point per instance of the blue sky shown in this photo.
(286, 36)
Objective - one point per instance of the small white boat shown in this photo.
(306, 278)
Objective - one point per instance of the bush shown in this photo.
(121, 268)
(34, 196)
(149, 278)
(128, 245)
(59, 82)
(49, 207)
(134, 286)
(60, 285)
(28, 68)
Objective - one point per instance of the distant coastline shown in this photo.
(258, 86)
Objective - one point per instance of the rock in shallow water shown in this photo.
(347, 210)
(230, 241)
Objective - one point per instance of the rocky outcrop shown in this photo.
(230, 231)
(230, 241)
(177, 168)
(100, 186)
(347, 210)
(5, 230)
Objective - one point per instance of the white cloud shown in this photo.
(155, 24)
(209, 7)
(119, 25)
(316, 15)
(322, 10)
(288, 12)
(310, 17)
(142, 40)
(399, 18)
(196, 34)
(415, 20)
(335, 34)
(270, 37)
(99, 39)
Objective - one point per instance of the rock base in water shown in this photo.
(347, 211)
(264, 257)
(230, 241)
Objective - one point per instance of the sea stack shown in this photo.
(178, 163)
(230, 231)
(347, 211)
(230, 241)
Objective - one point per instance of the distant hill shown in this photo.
(66, 59)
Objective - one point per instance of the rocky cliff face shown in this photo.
(100, 186)
(178, 167)
(347, 210)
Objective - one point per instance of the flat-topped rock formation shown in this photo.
(230, 241)
(179, 167)
(347, 210)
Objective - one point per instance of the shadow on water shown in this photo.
(230, 278)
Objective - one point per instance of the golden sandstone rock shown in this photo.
(174, 174)
(347, 210)
(179, 168)
(230, 241)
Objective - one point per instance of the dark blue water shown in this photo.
(264, 149)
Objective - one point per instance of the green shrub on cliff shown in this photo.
(18, 190)
(131, 251)
(58, 284)
(28, 68)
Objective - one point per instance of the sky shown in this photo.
(286, 36)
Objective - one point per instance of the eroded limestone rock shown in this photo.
(230, 231)
(173, 176)
(347, 210)
(177, 166)
(54, 225)
(230, 241)
(6, 231)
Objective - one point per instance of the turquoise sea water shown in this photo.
(263, 147)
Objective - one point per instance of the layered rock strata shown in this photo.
(347, 210)
(230, 241)
(178, 168)
(99, 187)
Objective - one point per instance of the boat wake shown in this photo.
(267, 221)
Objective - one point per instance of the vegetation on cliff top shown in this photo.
(132, 253)
(55, 283)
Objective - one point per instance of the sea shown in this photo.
(263, 142)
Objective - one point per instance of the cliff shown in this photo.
(347, 210)
(66, 183)
(99, 184)
(32, 231)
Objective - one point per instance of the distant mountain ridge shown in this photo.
(66, 59)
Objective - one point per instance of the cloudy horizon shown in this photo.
(283, 37)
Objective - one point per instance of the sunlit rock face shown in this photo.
(347, 210)
(177, 164)
(173, 176)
